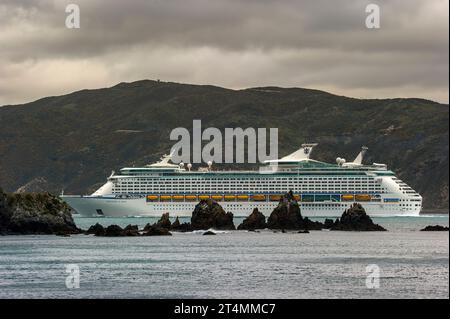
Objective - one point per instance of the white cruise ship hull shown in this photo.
(94, 206)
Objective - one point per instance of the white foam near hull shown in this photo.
(115, 207)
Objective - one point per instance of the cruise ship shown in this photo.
(321, 189)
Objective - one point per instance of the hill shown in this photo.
(72, 142)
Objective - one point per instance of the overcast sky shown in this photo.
(235, 44)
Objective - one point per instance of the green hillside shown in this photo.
(72, 142)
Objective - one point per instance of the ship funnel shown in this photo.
(301, 154)
(307, 148)
(358, 160)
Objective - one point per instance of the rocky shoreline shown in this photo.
(208, 215)
(435, 228)
(35, 213)
(43, 213)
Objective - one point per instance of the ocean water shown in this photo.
(236, 264)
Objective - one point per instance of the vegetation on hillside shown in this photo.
(72, 142)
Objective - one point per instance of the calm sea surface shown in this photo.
(235, 264)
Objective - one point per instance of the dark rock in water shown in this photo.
(209, 214)
(209, 233)
(303, 231)
(35, 213)
(164, 221)
(114, 231)
(181, 227)
(328, 223)
(287, 216)
(147, 226)
(310, 225)
(356, 219)
(62, 234)
(256, 220)
(5, 212)
(131, 230)
(185, 227)
(97, 230)
(435, 228)
(157, 231)
(176, 224)
(130, 227)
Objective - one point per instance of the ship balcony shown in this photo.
(273, 169)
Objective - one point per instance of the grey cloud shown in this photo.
(319, 43)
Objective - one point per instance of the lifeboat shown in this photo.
(348, 198)
(165, 198)
(297, 198)
(258, 198)
(229, 198)
(274, 198)
(152, 198)
(363, 198)
(203, 197)
(242, 197)
(217, 197)
(178, 198)
(191, 197)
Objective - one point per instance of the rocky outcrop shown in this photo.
(147, 226)
(287, 216)
(209, 214)
(356, 219)
(114, 231)
(163, 224)
(311, 225)
(435, 228)
(5, 213)
(128, 231)
(164, 221)
(176, 223)
(208, 233)
(97, 230)
(35, 213)
(156, 231)
(181, 227)
(256, 220)
(131, 230)
(328, 223)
